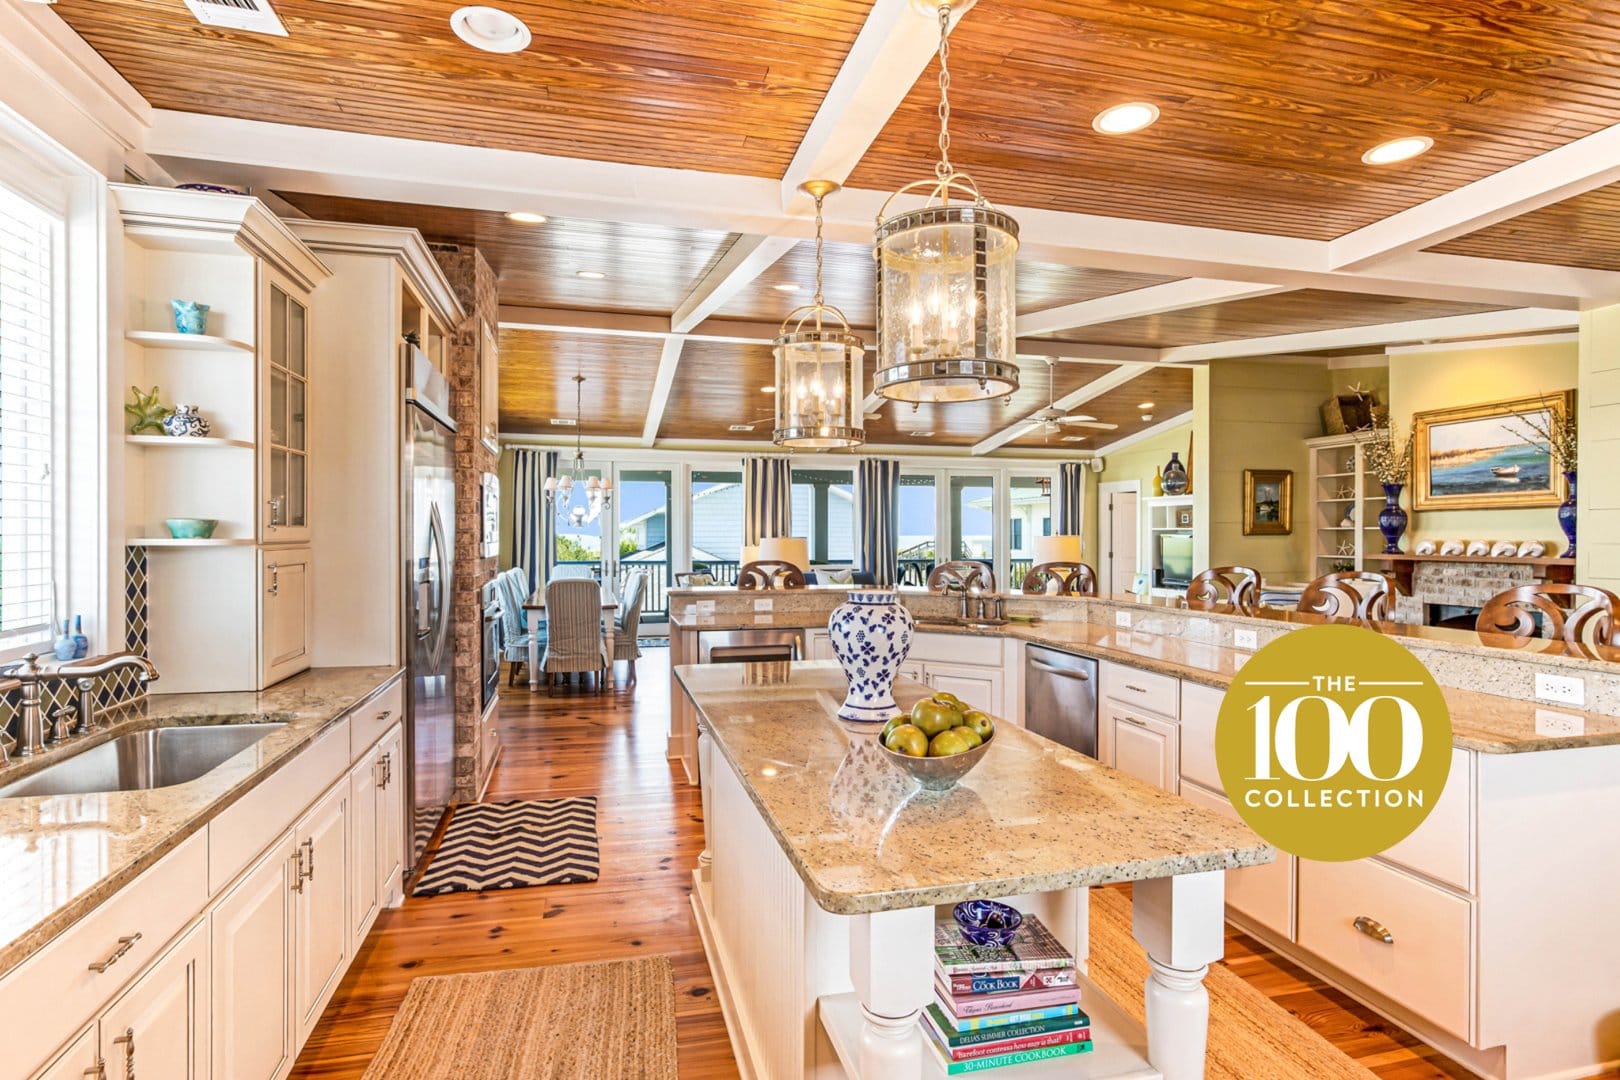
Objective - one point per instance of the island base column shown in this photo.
(891, 964)
(1180, 921)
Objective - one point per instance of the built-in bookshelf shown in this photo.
(1164, 515)
(1342, 504)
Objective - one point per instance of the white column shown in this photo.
(534, 651)
(1179, 921)
(891, 964)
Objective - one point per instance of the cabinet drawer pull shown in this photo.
(1135, 689)
(127, 1041)
(124, 945)
(1134, 721)
(98, 1071)
(1374, 929)
(309, 859)
(385, 714)
(298, 870)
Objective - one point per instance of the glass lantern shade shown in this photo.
(819, 374)
(947, 304)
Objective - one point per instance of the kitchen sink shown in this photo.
(141, 760)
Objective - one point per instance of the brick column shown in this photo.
(474, 283)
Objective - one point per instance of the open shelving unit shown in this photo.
(170, 339)
(1163, 515)
(193, 442)
(1341, 504)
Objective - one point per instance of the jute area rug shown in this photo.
(569, 1022)
(1250, 1036)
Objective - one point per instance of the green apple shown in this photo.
(947, 744)
(907, 739)
(934, 717)
(980, 722)
(969, 734)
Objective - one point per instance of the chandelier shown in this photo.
(560, 490)
(819, 365)
(945, 281)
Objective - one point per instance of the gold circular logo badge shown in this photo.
(1333, 742)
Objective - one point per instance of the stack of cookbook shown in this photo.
(999, 1005)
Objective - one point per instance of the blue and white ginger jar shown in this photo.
(871, 636)
(186, 423)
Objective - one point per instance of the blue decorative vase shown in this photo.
(190, 317)
(185, 422)
(1175, 475)
(1566, 515)
(1392, 519)
(871, 636)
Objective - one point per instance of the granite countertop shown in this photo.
(61, 855)
(1033, 816)
(1487, 723)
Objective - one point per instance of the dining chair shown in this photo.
(570, 572)
(959, 575)
(1351, 594)
(1581, 616)
(1075, 579)
(762, 574)
(574, 639)
(510, 588)
(627, 623)
(863, 577)
(1227, 589)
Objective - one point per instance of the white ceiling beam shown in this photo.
(1562, 173)
(1485, 324)
(1079, 352)
(1094, 389)
(579, 321)
(291, 158)
(743, 262)
(1145, 433)
(890, 54)
(668, 362)
(1153, 300)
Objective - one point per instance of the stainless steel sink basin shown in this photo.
(140, 760)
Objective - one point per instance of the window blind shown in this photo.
(27, 376)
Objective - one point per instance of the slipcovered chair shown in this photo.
(571, 572)
(1074, 579)
(960, 575)
(1581, 616)
(509, 592)
(1354, 594)
(627, 624)
(574, 641)
(1228, 589)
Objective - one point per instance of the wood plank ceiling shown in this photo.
(1582, 231)
(537, 373)
(718, 85)
(1267, 107)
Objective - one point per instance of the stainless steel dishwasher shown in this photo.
(1060, 697)
(750, 646)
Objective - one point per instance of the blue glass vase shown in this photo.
(1392, 519)
(1566, 515)
(190, 317)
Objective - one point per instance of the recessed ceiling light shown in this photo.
(922, 434)
(1145, 405)
(741, 427)
(490, 29)
(590, 275)
(767, 389)
(786, 286)
(1404, 149)
(1074, 438)
(1125, 119)
(527, 217)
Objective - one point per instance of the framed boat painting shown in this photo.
(1488, 457)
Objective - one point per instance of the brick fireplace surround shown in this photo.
(1461, 583)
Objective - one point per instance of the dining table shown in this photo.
(537, 602)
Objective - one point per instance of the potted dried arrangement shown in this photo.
(1389, 458)
(1560, 434)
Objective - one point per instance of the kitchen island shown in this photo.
(816, 896)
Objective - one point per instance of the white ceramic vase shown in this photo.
(871, 636)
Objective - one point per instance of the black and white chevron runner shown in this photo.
(508, 845)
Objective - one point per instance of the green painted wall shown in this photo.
(1598, 553)
(1135, 462)
(1436, 380)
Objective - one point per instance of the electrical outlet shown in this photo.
(764, 605)
(1549, 722)
(705, 607)
(1246, 639)
(1563, 689)
(1122, 618)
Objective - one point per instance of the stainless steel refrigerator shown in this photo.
(430, 497)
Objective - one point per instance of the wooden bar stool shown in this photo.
(960, 575)
(1077, 579)
(1581, 616)
(1232, 590)
(1354, 594)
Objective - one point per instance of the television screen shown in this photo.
(1175, 559)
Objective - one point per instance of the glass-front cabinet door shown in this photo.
(284, 438)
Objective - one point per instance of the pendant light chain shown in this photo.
(943, 168)
(818, 299)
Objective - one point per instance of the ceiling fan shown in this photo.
(1053, 419)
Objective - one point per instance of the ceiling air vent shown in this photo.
(562, 421)
(254, 16)
(741, 427)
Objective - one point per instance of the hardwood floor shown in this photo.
(612, 745)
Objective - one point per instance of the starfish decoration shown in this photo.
(1357, 389)
(147, 412)
(1347, 547)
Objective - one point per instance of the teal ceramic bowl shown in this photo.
(191, 528)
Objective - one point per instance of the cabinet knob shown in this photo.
(1374, 929)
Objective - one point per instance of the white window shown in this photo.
(29, 286)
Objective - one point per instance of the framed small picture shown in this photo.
(1268, 502)
(1183, 517)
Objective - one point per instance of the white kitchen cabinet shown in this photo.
(1140, 744)
(819, 646)
(286, 612)
(252, 985)
(365, 791)
(160, 1026)
(284, 397)
(81, 1059)
(1264, 895)
(320, 906)
(981, 687)
(391, 820)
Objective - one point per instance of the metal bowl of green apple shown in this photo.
(939, 741)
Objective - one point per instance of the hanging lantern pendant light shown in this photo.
(820, 366)
(946, 289)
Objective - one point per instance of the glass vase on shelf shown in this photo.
(1392, 519)
(1175, 475)
(1566, 515)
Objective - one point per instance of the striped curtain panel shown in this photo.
(532, 524)
(1071, 497)
(767, 498)
(877, 490)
